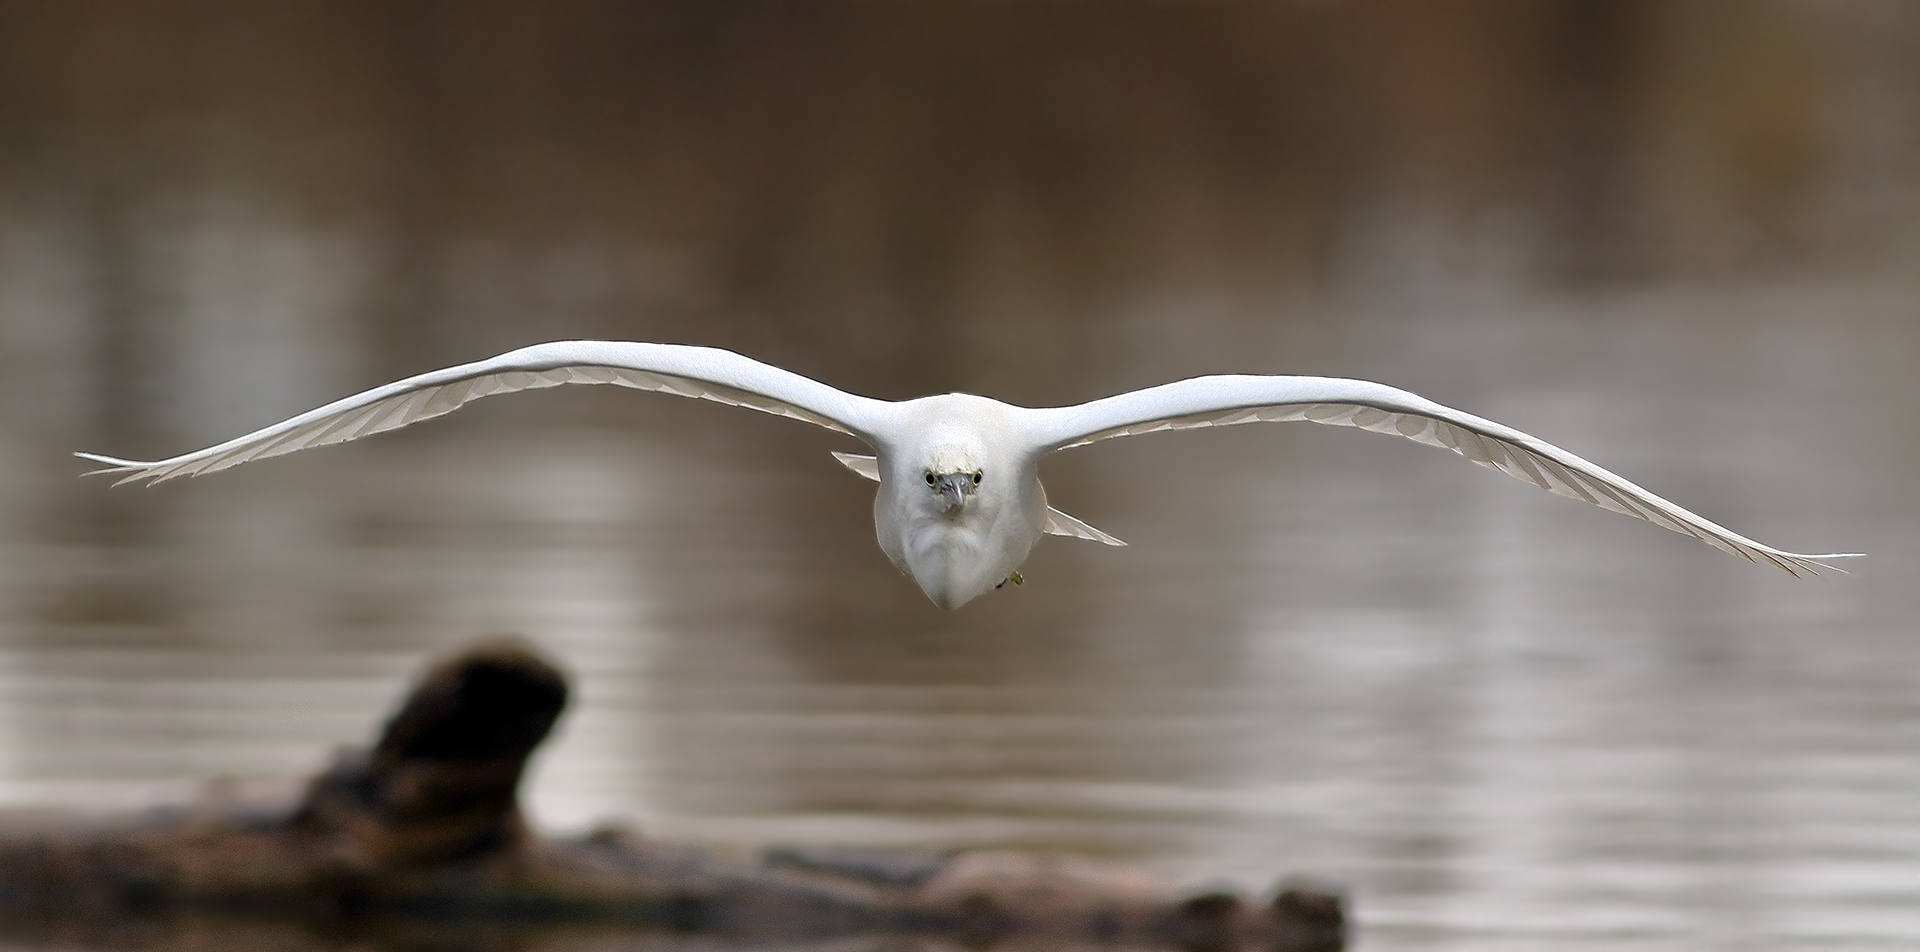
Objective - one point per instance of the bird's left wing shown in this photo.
(704, 372)
(1227, 400)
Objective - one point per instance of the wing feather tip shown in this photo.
(1801, 565)
(1816, 562)
(113, 461)
(129, 470)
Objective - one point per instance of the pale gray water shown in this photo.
(1676, 238)
(1504, 720)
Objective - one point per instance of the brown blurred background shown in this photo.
(883, 189)
(1679, 238)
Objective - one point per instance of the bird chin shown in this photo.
(949, 566)
(948, 599)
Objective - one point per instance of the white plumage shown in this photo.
(960, 502)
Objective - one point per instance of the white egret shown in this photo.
(960, 503)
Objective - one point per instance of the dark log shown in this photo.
(427, 827)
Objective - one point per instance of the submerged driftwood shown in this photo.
(427, 824)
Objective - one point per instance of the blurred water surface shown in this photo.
(1673, 240)
(1504, 719)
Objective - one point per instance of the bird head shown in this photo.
(953, 474)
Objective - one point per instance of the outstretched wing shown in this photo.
(1058, 523)
(704, 372)
(1227, 400)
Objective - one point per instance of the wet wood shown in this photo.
(427, 824)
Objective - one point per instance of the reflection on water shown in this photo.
(1676, 238)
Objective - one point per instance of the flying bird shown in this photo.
(960, 502)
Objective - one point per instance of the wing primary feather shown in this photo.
(1225, 400)
(701, 372)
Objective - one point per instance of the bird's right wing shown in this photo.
(704, 372)
(1233, 399)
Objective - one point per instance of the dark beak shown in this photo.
(956, 487)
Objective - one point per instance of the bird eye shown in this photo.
(976, 478)
(929, 478)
